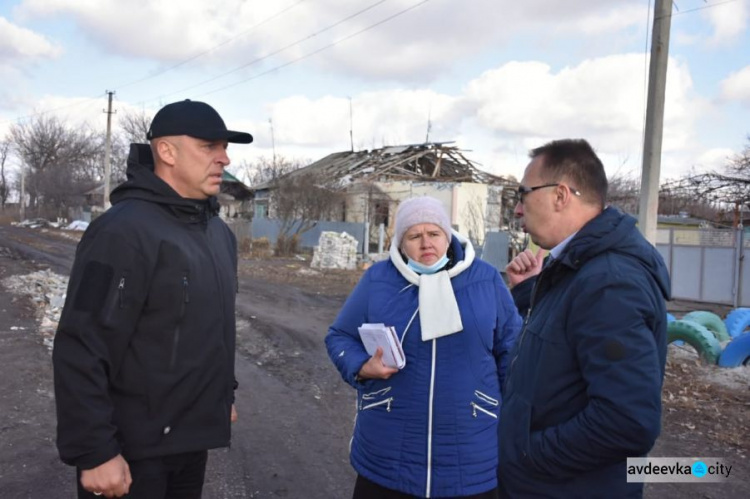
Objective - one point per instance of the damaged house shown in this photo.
(235, 197)
(371, 184)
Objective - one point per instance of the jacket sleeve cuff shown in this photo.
(96, 458)
(353, 376)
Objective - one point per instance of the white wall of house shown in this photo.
(469, 210)
(466, 203)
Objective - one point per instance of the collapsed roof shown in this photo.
(432, 161)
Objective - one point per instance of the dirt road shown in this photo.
(295, 412)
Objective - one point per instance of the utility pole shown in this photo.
(23, 192)
(652, 140)
(108, 152)
(429, 126)
(351, 125)
(273, 142)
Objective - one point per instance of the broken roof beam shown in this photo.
(396, 162)
(436, 171)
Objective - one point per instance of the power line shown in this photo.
(326, 47)
(201, 54)
(179, 64)
(710, 6)
(42, 113)
(262, 58)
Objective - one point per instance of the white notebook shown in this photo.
(380, 335)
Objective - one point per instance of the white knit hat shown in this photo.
(421, 210)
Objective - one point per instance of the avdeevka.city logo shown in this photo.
(677, 469)
(699, 469)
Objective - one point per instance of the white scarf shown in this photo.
(438, 310)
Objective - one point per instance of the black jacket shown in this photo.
(144, 353)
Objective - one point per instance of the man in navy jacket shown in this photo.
(583, 390)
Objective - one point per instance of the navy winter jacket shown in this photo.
(430, 430)
(583, 390)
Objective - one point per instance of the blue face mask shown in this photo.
(420, 268)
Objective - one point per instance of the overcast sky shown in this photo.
(497, 77)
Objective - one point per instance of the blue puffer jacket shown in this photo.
(583, 391)
(430, 430)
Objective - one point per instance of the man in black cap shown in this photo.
(144, 353)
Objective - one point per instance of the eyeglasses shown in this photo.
(523, 190)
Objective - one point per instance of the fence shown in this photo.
(704, 264)
(264, 227)
(494, 250)
(707, 264)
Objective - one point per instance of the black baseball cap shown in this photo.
(195, 119)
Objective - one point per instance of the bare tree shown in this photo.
(624, 193)
(61, 163)
(737, 177)
(267, 170)
(300, 201)
(5, 144)
(120, 148)
(714, 194)
(507, 200)
(134, 125)
(475, 219)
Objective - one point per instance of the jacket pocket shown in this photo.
(376, 399)
(484, 405)
(514, 431)
(116, 301)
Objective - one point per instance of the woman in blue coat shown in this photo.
(430, 428)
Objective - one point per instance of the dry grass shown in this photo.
(7, 217)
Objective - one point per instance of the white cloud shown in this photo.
(679, 37)
(425, 42)
(379, 118)
(77, 111)
(153, 29)
(607, 22)
(21, 43)
(728, 21)
(415, 46)
(714, 159)
(737, 86)
(501, 114)
(600, 99)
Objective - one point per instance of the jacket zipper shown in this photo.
(486, 398)
(176, 339)
(476, 407)
(429, 420)
(379, 403)
(221, 296)
(526, 322)
(379, 393)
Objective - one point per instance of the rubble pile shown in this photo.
(35, 223)
(77, 225)
(47, 291)
(335, 251)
